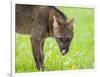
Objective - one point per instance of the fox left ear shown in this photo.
(55, 22)
(71, 24)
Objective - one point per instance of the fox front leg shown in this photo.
(37, 49)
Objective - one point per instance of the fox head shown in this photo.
(63, 33)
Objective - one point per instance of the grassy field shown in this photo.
(80, 55)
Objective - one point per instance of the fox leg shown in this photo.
(37, 48)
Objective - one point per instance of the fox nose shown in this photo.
(63, 52)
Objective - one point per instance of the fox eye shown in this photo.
(68, 39)
(59, 38)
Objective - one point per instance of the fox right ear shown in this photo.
(71, 24)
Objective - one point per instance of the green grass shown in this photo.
(80, 55)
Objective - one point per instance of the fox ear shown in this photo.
(55, 22)
(71, 24)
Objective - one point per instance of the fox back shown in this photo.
(29, 16)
